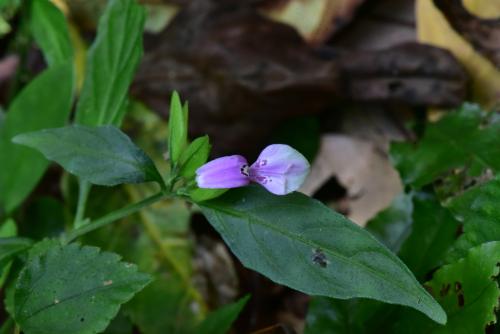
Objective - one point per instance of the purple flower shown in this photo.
(225, 172)
(279, 168)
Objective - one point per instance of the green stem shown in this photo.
(83, 195)
(112, 217)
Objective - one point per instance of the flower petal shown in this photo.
(280, 169)
(225, 172)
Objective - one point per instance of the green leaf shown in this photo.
(332, 316)
(7, 229)
(177, 128)
(120, 325)
(44, 103)
(467, 290)
(194, 156)
(7, 327)
(2, 117)
(297, 241)
(74, 289)
(434, 230)
(392, 225)
(111, 64)
(155, 239)
(12, 246)
(101, 155)
(479, 210)
(49, 28)
(465, 137)
(204, 194)
(162, 307)
(220, 320)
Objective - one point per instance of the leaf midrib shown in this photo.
(309, 243)
(98, 288)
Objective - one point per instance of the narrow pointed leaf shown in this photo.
(177, 128)
(220, 320)
(49, 28)
(111, 64)
(297, 241)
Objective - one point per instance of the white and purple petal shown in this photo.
(280, 169)
(225, 172)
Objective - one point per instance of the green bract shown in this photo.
(177, 128)
(195, 155)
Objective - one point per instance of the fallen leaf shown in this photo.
(315, 20)
(358, 160)
(434, 28)
(362, 168)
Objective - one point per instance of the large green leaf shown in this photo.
(479, 209)
(74, 289)
(44, 103)
(111, 64)
(466, 289)
(297, 241)
(101, 155)
(433, 231)
(465, 137)
(49, 28)
(220, 320)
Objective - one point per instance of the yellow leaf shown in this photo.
(314, 20)
(433, 28)
(486, 9)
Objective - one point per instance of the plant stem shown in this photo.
(83, 194)
(113, 216)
